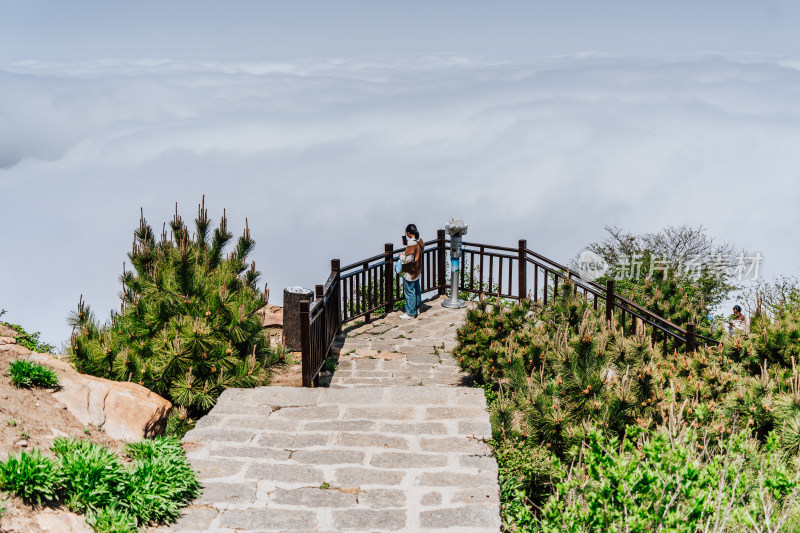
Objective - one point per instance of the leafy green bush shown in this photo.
(28, 340)
(188, 327)
(31, 476)
(160, 487)
(94, 478)
(161, 479)
(112, 521)
(90, 479)
(29, 374)
(671, 481)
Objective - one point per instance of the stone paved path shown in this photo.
(393, 351)
(374, 452)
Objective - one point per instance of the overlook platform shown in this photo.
(396, 443)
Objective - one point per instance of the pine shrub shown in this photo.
(188, 327)
(556, 374)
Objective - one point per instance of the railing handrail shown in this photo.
(369, 285)
(379, 257)
(601, 290)
(328, 288)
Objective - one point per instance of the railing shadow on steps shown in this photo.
(370, 287)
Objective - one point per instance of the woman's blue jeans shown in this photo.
(413, 294)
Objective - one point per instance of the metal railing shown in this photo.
(370, 287)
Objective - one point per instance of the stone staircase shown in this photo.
(395, 444)
(393, 351)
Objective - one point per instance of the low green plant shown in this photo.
(671, 480)
(112, 521)
(29, 374)
(94, 478)
(90, 479)
(31, 476)
(331, 365)
(28, 340)
(161, 480)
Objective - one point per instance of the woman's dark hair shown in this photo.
(411, 228)
(737, 308)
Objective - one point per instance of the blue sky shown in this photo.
(519, 28)
(330, 126)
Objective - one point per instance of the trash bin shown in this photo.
(292, 296)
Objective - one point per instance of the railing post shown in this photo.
(609, 299)
(523, 270)
(319, 295)
(305, 344)
(388, 254)
(319, 292)
(366, 291)
(690, 338)
(440, 262)
(336, 269)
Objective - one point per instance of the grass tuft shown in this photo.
(31, 476)
(94, 478)
(90, 479)
(112, 521)
(161, 481)
(28, 374)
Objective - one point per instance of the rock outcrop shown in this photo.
(51, 521)
(126, 411)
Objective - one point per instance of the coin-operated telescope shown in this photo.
(456, 229)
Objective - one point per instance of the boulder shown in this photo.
(15, 349)
(271, 316)
(7, 331)
(127, 411)
(8, 340)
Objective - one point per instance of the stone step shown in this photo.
(344, 459)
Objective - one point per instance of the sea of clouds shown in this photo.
(333, 157)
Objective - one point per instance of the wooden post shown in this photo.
(388, 254)
(609, 299)
(690, 338)
(336, 269)
(366, 291)
(523, 269)
(441, 262)
(305, 344)
(319, 292)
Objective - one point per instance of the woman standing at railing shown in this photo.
(411, 261)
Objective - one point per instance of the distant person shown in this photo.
(411, 261)
(710, 317)
(738, 321)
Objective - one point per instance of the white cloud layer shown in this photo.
(332, 158)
